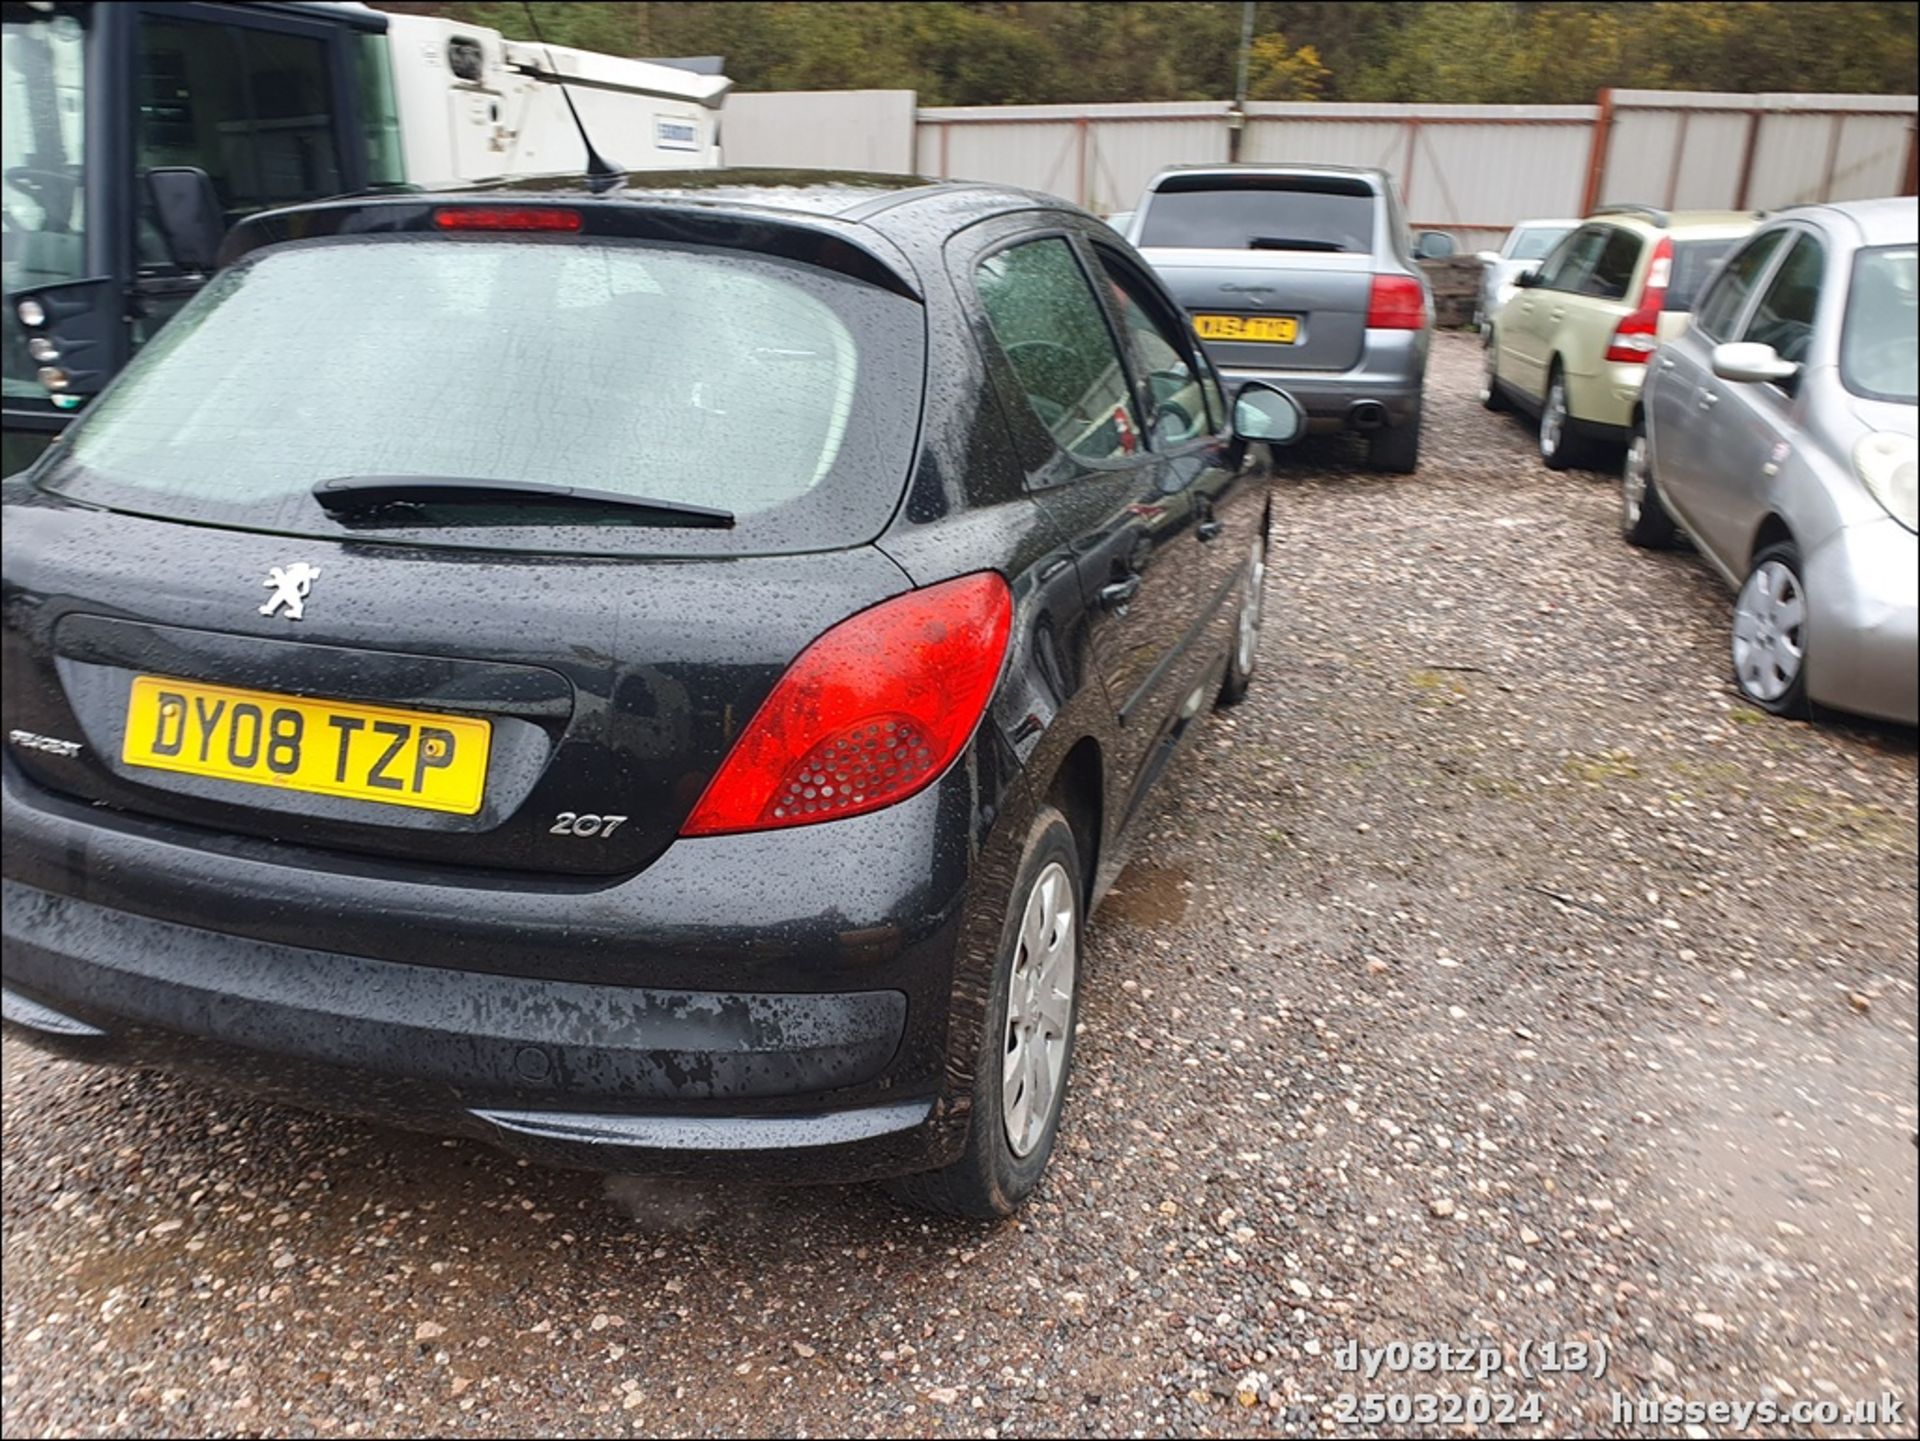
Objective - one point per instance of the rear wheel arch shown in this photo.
(1078, 791)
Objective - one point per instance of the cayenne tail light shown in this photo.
(869, 713)
(1638, 336)
(1396, 302)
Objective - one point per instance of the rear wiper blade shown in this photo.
(1288, 242)
(358, 493)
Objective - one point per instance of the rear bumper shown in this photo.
(567, 1073)
(1602, 404)
(1391, 373)
(802, 1037)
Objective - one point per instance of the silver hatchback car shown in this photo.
(1303, 276)
(1778, 433)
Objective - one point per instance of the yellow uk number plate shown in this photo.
(332, 748)
(1267, 329)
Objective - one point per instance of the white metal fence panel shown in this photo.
(826, 129)
(1711, 150)
(1470, 169)
(1100, 156)
(1031, 154)
(1870, 157)
(1707, 174)
(1490, 174)
(1298, 140)
(1790, 160)
(1126, 154)
(1467, 168)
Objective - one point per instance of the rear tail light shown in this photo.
(1396, 302)
(1638, 336)
(506, 217)
(871, 712)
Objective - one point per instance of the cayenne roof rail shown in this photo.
(1657, 216)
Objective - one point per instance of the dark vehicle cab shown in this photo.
(651, 680)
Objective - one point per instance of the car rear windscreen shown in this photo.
(785, 394)
(1693, 266)
(1330, 213)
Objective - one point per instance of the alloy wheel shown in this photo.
(1039, 1010)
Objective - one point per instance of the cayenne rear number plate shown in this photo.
(1266, 329)
(331, 748)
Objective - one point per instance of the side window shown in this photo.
(1569, 264)
(1217, 416)
(1727, 296)
(1612, 273)
(1048, 320)
(1784, 316)
(1162, 361)
(252, 108)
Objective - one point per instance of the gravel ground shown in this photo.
(1492, 973)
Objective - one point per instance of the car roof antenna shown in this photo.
(602, 174)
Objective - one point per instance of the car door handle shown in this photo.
(1665, 363)
(1210, 528)
(1556, 314)
(1117, 593)
(1708, 399)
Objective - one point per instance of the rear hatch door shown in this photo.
(1277, 270)
(453, 708)
(491, 568)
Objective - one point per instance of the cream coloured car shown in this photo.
(1572, 344)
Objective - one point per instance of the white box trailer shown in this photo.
(263, 104)
(474, 105)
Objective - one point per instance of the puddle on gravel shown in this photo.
(1785, 1159)
(1147, 895)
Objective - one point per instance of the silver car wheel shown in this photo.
(1633, 480)
(1553, 418)
(1039, 1010)
(1252, 600)
(1769, 631)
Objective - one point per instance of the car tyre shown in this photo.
(1559, 447)
(1007, 1150)
(1395, 449)
(1770, 633)
(1492, 397)
(1643, 515)
(1246, 632)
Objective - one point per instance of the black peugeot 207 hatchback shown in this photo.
(653, 681)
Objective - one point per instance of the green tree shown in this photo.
(1277, 71)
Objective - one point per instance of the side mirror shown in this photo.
(1749, 360)
(1526, 279)
(1433, 245)
(1267, 413)
(188, 213)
